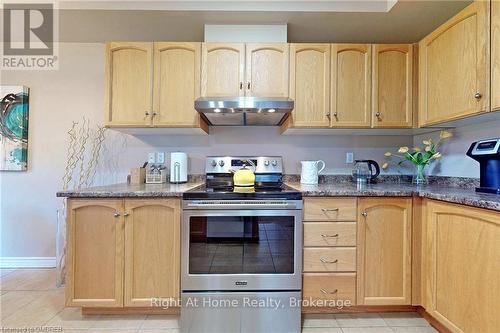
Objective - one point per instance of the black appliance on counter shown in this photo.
(487, 153)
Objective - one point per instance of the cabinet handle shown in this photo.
(329, 292)
(241, 85)
(378, 115)
(335, 114)
(126, 214)
(248, 85)
(328, 115)
(155, 114)
(326, 261)
(329, 210)
(478, 95)
(365, 214)
(146, 113)
(116, 214)
(329, 236)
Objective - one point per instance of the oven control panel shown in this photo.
(227, 164)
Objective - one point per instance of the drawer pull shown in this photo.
(330, 209)
(326, 261)
(329, 236)
(329, 292)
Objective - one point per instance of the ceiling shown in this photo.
(408, 21)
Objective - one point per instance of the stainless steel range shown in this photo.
(242, 251)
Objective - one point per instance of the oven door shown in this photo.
(241, 250)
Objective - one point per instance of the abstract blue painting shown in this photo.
(14, 107)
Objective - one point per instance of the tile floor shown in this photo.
(29, 298)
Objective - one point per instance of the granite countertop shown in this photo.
(458, 195)
(128, 190)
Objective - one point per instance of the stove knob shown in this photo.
(214, 163)
(221, 163)
(274, 162)
(266, 162)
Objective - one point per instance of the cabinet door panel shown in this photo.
(310, 84)
(152, 250)
(128, 98)
(267, 70)
(384, 251)
(95, 253)
(351, 85)
(454, 67)
(463, 267)
(495, 55)
(222, 69)
(392, 85)
(329, 286)
(177, 83)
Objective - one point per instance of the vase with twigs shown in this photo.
(420, 157)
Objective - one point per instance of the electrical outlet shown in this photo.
(151, 158)
(160, 157)
(349, 157)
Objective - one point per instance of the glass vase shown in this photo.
(419, 177)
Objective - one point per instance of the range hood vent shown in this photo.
(244, 111)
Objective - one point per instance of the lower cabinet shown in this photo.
(384, 251)
(122, 252)
(330, 287)
(461, 271)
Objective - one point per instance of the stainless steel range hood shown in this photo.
(244, 111)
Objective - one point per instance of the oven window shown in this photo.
(241, 244)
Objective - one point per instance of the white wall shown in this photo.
(455, 163)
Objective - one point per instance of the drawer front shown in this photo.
(329, 259)
(332, 286)
(329, 209)
(330, 234)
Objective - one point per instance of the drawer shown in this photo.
(329, 286)
(330, 234)
(330, 209)
(329, 259)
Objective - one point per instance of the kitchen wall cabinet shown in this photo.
(384, 251)
(129, 78)
(495, 55)
(122, 252)
(462, 267)
(392, 85)
(454, 67)
(176, 84)
(152, 250)
(310, 85)
(350, 85)
(223, 69)
(267, 70)
(94, 253)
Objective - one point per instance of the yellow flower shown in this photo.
(385, 166)
(437, 156)
(403, 150)
(417, 149)
(445, 135)
(388, 154)
(427, 142)
(428, 148)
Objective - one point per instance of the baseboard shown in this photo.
(27, 262)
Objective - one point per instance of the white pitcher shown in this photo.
(310, 171)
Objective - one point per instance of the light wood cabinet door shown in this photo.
(329, 286)
(152, 250)
(222, 70)
(384, 251)
(329, 209)
(129, 76)
(462, 271)
(351, 85)
(454, 67)
(329, 234)
(495, 55)
(94, 253)
(267, 70)
(176, 84)
(310, 84)
(392, 77)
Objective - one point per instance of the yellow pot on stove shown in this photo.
(244, 177)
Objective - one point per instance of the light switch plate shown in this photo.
(349, 157)
(151, 158)
(160, 157)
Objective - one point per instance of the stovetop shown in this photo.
(234, 193)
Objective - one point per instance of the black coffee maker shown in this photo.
(487, 153)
